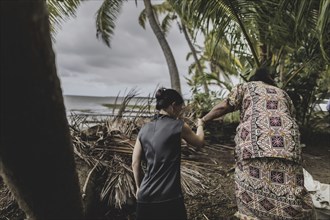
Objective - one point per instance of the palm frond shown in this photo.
(60, 11)
(143, 18)
(218, 15)
(119, 186)
(163, 9)
(105, 19)
(323, 29)
(277, 24)
(167, 23)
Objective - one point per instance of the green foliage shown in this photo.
(292, 37)
(233, 117)
(203, 103)
(307, 82)
(60, 11)
(307, 90)
(323, 29)
(319, 122)
(163, 9)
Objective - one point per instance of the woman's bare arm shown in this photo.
(192, 138)
(217, 111)
(136, 164)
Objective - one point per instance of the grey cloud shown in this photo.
(134, 59)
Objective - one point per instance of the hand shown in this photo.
(200, 122)
(137, 191)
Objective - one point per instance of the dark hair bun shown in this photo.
(165, 97)
(160, 98)
(160, 93)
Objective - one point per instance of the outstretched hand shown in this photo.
(136, 193)
(200, 122)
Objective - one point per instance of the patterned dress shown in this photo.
(269, 176)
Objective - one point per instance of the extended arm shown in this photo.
(217, 111)
(192, 138)
(136, 164)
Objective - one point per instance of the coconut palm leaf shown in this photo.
(105, 19)
(143, 18)
(272, 23)
(323, 28)
(163, 9)
(60, 11)
(216, 15)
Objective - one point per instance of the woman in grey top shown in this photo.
(159, 195)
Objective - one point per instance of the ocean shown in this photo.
(88, 104)
(94, 105)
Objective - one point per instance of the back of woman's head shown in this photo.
(165, 97)
(262, 74)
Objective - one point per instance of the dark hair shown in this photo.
(165, 97)
(262, 74)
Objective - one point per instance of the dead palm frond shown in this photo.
(119, 185)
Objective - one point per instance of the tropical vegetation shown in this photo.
(289, 36)
(38, 155)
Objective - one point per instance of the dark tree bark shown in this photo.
(36, 154)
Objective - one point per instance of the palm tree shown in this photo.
(105, 23)
(292, 37)
(222, 61)
(173, 70)
(266, 28)
(36, 154)
(170, 16)
(200, 71)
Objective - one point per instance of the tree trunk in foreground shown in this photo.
(36, 154)
(173, 69)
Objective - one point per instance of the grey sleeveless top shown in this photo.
(161, 144)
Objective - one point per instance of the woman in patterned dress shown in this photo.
(269, 175)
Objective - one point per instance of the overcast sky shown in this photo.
(86, 66)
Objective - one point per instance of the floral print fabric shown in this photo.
(268, 177)
(267, 126)
(271, 188)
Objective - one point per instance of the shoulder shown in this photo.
(285, 94)
(236, 94)
(181, 121)
(241, 86)
(174, 121)
(145, 127)
(178, 125)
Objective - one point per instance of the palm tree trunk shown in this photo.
(282, 68)
(194, 53)
(36, 154)
(173, 70)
